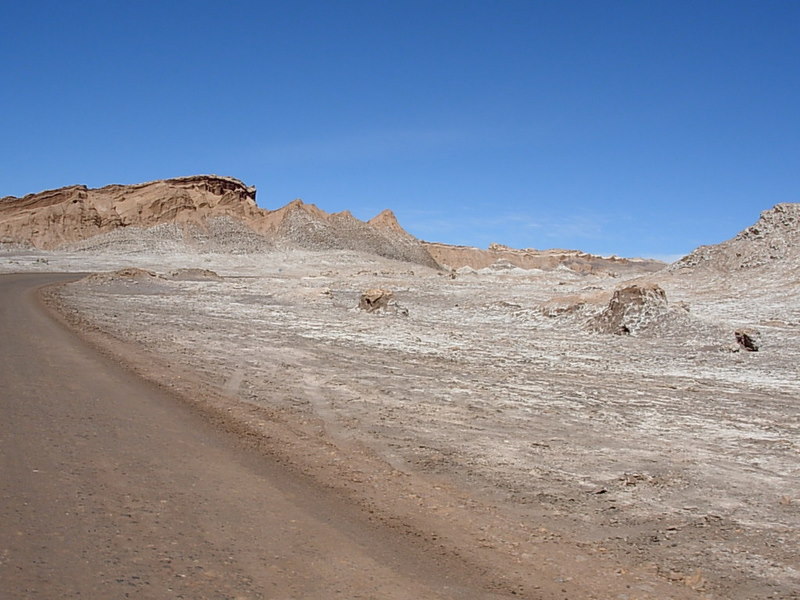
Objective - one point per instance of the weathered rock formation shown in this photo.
(642, 309)
(772, 242)
(375, 300)
(304, 225)
(632, 309)
(52, 218)
(748, 338)
(210, 211)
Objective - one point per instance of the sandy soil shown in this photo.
(113, 488)
(605, 466)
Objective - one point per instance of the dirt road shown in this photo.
(110, 488)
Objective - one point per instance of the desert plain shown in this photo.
(559, 438)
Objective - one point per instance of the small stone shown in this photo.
(748, 338)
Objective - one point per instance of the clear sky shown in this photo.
(639, 128)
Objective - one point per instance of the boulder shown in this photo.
(632, 309)
(380, 300)
(748, 339)
(375, 299)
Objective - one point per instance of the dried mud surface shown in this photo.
(491, 421)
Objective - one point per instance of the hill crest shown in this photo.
(772, 242)
(73, 214)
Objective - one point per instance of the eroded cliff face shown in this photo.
(457, 257)
(209, 207)
(54, 217)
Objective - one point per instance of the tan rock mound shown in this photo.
(376, 300)
(632, 309)
(643, 310)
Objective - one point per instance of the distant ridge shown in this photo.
(457, 257)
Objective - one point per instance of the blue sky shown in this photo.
(631, 128)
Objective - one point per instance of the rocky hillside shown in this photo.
(751, 279)
(457, 257)
(305, 226)
(771, 244)
(207, 212)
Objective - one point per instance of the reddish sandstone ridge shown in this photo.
(386, 220)
(54, 217)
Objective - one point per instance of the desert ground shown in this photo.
(479, 413)
(114, 488)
